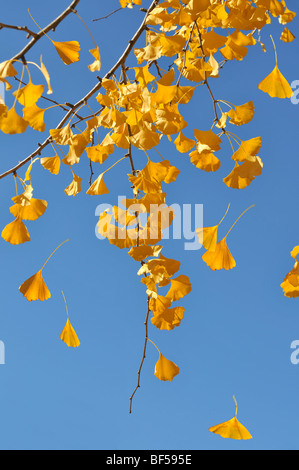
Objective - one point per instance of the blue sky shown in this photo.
(238, 326)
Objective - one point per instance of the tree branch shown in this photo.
(144, 354)
(19, 28)
(90, 94)
(51, 26)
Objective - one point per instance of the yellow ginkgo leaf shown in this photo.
(99, 153)
(205, 160)
(33, 211)
(248, 150)
(35, 117)
(143, 75)
(52, 164)
(98, 187)
(35, 288)
(68, 51)
(96, 65)
(276, 85)
(287, 35)
(287, 16)
(68, 335)
(290, 285)
(208, 236)
(29, 94)
(295, 252)
(243, 175)
(7, 69)
(16, 233)
(183, 144)
(169, 319)
(220, 258)
(12, 123)
(77, 147)
(232, 429)
(165, 369)
(3, 108)
(207, 141)
(242, 114)
(46, 75)
(24, 199)
(62, 136)
(75, 187)
(180, 287)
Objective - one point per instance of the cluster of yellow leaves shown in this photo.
(25, 208)
(158, 273)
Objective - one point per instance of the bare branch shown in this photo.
(108, 16)
(144, 354)
(19, 28)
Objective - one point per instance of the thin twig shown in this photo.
(143, 356)
(108, 16)
(19, 28)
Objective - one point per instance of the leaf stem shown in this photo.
(243, 213)
(54, 253)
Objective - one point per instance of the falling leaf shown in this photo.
(68, 335)
(232, 429)
(275, 84)
(220, 258)
(35, 287)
